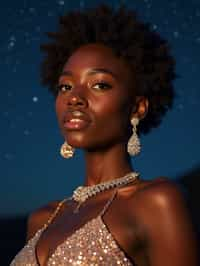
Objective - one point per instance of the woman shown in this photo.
(112, 78)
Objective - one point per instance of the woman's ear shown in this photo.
(140, 109)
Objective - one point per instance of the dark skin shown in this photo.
(154, 229)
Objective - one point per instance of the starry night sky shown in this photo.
(32, 171)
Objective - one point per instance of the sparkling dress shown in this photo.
(92, 244)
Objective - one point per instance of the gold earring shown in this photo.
(134, 146)
(66, 150)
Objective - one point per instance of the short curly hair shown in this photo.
(146, 52)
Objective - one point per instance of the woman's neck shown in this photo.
(106, 165)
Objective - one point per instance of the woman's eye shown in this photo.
(64, 87)
(102, 86)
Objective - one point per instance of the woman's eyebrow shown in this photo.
(101, 70)
(92, 71)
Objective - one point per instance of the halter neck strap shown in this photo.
(108, 203)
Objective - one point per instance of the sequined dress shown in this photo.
(92, 244)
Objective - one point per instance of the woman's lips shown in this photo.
(76, 124)
(76, 120)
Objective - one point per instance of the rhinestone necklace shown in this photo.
(82, 193)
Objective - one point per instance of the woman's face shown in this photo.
(95, 98)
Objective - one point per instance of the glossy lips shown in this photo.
(76, 120)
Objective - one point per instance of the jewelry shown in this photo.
(66, 150)
(134, 142)
(82, 193)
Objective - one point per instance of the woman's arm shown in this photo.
(171, 240)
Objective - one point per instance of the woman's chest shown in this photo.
(78, 239)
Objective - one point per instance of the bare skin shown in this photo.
(154, 229)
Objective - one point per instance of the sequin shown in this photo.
(92, 244)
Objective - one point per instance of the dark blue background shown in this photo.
(32, 171)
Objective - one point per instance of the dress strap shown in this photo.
(54, 214)
(108, 203)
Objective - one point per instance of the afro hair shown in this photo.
(145, 51)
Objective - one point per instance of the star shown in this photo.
(198, 13)
(176, 34)
(8, 156)
(82, 4)
(30, 113)
(154, 26)
(166, 22)
(32, 10)
(35, 99)
(26, 132)
(61, 2)
(11, 42)
(21, 11)
(50, 14)
(12, 125)
(198, 40)
(180, 106)
(38, 28)
(5, 113)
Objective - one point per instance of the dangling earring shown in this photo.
(134, 142)
(66, 150)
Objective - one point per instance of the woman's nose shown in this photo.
(75, 99)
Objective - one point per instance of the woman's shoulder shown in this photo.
(39, 217)
(159, 192)
(160, 187)
(161, 211)
(157, 199)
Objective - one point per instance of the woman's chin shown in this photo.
(77, 143)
